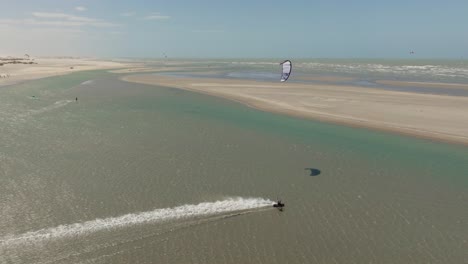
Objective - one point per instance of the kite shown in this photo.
(287, 67)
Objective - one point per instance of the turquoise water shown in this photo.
(133, 149)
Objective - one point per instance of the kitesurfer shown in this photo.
(279, 205)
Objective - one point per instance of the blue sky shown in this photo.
(209, 28)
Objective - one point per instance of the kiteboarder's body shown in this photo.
(279, 205)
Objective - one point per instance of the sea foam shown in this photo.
(228, 205)
(88, 82)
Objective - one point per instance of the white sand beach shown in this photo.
(46, 67)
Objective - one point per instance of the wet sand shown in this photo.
(437, 117)
(425, 84)
(160, 69)
(333, 79)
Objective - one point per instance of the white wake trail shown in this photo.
(88, 82)
(155, 216)
(54, 106)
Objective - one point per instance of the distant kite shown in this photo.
(286, 72)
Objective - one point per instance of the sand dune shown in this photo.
(430, 116)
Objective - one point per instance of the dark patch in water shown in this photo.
(313, 172)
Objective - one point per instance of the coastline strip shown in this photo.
(436, 117)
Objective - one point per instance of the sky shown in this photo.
(235, 29)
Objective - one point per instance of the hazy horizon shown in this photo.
(209, 29)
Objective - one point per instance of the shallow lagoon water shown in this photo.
(90, 182)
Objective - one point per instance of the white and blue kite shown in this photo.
(287, 67)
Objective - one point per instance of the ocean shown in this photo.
(445, 76)
(132, 173)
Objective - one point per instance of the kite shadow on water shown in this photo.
(313, 172)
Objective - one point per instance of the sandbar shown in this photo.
(47, 67)
(436, 117)
(424, 84)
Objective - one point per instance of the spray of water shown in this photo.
(158, 215)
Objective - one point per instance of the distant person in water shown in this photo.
(76, 99)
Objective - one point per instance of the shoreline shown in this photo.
(424, 84)
(424, 116)
(48, 67)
